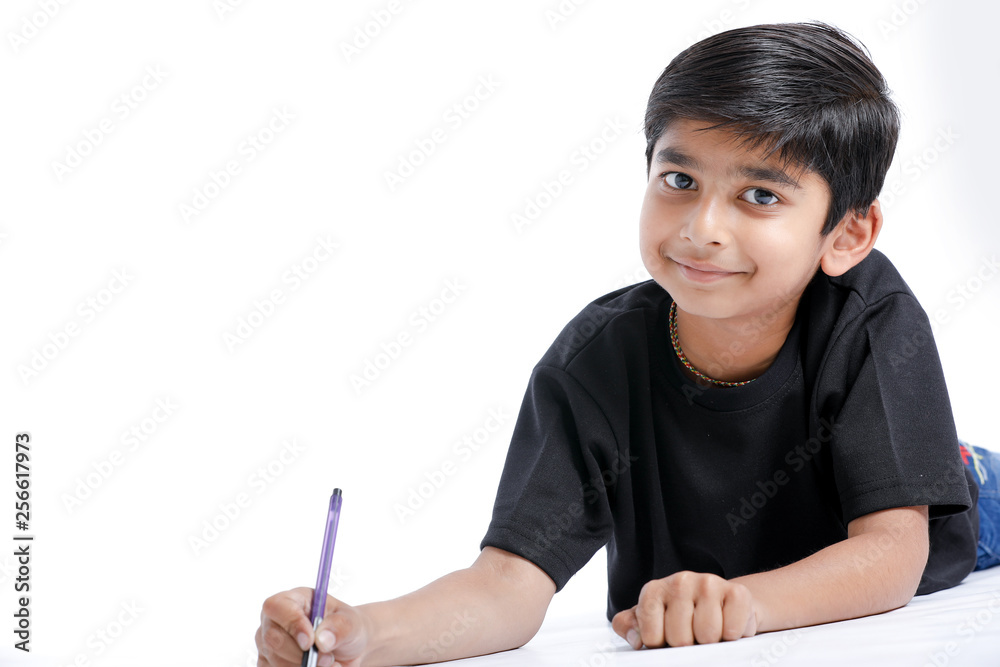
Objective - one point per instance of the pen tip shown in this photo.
(336, 492)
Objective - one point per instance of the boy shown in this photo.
(760, 435)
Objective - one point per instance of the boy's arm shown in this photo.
(496, 604)
(876, 569)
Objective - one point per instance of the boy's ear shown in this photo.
(851, 240)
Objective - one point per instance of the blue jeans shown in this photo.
(985, 467)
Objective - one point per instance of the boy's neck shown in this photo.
(733, 350)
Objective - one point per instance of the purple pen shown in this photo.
(310, 657)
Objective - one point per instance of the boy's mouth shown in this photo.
(702, 272)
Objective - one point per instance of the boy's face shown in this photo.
(710, 202)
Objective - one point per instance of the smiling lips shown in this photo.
(701, 272)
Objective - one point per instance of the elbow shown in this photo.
(915, 559)
(524, 613)
(520, 592)
(911, 561)
(898, 545)
(903, 594)
(526, 634)
(894, 584)
(913, 573)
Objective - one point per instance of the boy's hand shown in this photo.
(685, 608)
(285, 631)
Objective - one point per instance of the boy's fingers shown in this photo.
(342, 630)
(649, 613)
(752, 624)
(275, 647)
(325, 639)
(708, 620)
(622, 621)
(626, 626)
(285, 626)
(737, 614)
(678, 623)
(682, 610)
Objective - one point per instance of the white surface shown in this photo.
(162, 337)
(958, 627)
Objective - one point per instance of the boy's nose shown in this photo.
(707, 224)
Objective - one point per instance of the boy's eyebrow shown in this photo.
(674, 156)
(771, 174)
(767, 174)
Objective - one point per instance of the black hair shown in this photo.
(805, 91)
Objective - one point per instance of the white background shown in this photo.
(190, 282)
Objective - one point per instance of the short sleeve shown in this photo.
(894, 442)
(553, 505)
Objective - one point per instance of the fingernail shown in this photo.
(325, 640)
(632, 637)
(303, 641)
(325, 660)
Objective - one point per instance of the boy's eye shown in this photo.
(759, 196)
(678, 180)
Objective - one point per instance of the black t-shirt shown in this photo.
(615, 446)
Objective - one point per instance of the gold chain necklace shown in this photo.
(687, 364)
